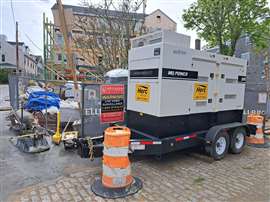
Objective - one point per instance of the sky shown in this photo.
(29, 14)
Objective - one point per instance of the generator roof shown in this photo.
(117, 73)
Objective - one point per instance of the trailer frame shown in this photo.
(145, 144)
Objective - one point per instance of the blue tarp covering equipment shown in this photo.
(37, 101)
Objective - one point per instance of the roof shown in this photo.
(97, 11)
(31, 57)
(117, 73)
(14, 43)
(163, 14)
(7, 66)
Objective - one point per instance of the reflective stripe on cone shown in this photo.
(116, 172)
(115, 152)
(116, 182)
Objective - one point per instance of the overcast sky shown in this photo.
(29, 15)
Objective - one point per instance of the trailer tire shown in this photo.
(219, 146)
(238, 140)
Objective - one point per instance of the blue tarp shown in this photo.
(37, 101)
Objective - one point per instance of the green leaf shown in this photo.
(221, 21)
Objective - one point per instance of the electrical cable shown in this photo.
(12, 9)
(14, 20)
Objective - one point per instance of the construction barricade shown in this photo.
(256, 137)
(116, 180)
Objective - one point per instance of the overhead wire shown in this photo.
(12, 9)
(33, 43)
(14, 20)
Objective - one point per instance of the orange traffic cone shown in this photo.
(116, 180)
(256, 137)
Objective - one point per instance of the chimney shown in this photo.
(197, 44)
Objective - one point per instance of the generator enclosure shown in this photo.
(173, 89)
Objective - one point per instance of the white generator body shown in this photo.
(167, 79)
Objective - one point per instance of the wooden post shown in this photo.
(17, 46)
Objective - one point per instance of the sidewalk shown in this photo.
(179, 177)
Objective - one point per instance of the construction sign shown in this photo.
(112, 103)
(200, 91)
(142, 92)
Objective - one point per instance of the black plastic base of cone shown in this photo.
(114, 193)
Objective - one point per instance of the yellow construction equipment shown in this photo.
(56, 138)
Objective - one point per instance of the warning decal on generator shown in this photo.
(200, 91)
(142, 92)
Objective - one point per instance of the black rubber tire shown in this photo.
(211, 149)
(233, 148)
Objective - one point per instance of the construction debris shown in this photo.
(31, 143)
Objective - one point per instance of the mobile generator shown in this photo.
(180, 98)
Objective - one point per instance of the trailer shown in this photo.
(181, 98)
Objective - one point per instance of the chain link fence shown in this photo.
(79, 109)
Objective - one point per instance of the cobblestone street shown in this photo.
(178, 177)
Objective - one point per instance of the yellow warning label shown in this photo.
(200, 91)
(142, 92)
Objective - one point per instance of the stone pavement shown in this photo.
(178, 177)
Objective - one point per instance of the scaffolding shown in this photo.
(53, 70)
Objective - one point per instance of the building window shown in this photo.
(247, 40)
(77, 31)
(246, 56)
(59, 57)
(100, 60)
(3, 58)
(59, 39)
(158, 18)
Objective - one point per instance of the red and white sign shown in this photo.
(114, 89)
(112, 103)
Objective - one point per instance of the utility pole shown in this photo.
(17, 46)
(68, 43)
(144, 11)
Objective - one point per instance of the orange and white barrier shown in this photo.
(116, 165)
(258, 137)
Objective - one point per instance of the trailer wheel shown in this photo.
(219, 147)
(238, 140)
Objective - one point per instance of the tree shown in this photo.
(222, 22)
(104, 40)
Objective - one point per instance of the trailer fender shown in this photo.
(212, 133)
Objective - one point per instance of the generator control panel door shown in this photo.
(205, 87)
(231, 85)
